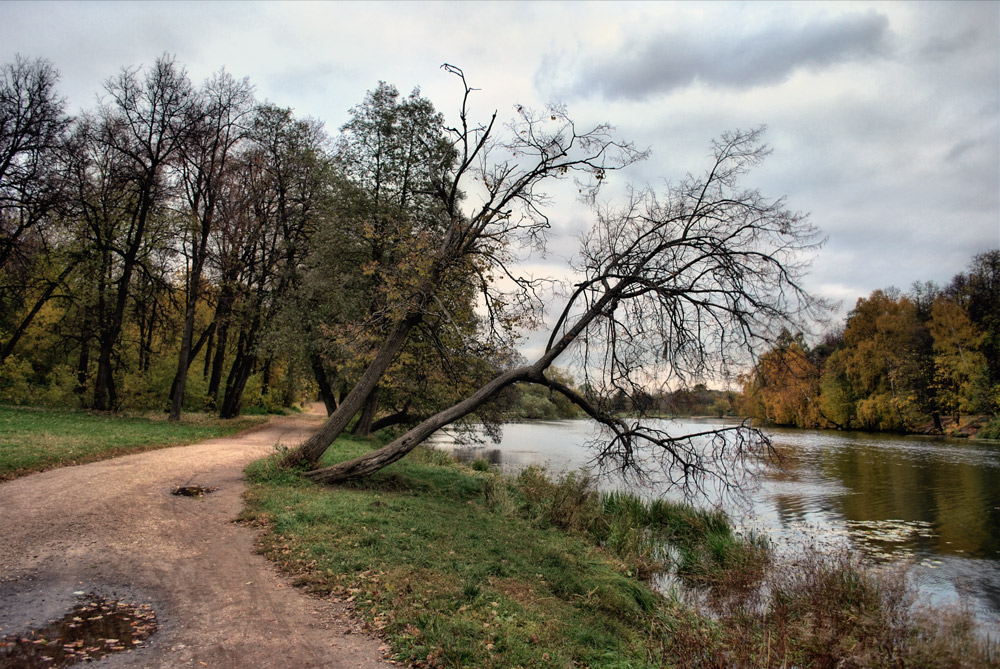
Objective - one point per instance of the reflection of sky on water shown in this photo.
(934, 503)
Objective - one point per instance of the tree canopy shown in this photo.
(902, 362)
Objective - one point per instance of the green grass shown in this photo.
(459, 567)
(33, 440)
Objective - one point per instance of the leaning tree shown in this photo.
(673, 286)
(486, 202)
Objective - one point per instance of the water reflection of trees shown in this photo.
(468, 453)
(958, 499)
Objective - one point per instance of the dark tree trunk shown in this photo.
(83, 362)
(363, 427)
(399, 418)
(222, 317)
(146, 342)
(8, 348)
(105, 396)
(185, 355)
(265, 381)
(236, 382)
(208, 352)
(206, 335)
(325, 391)
(243, 366)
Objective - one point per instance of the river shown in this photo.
(932, 502)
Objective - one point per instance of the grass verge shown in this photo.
(458, 567)
(32, 440)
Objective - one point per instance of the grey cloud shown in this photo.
(674, 60)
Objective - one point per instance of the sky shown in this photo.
(882, 117)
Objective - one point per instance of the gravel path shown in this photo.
(114, 528)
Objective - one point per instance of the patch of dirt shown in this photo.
(108, 528)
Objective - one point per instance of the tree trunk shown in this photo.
(236, 383)
(398, 418)
(312, 449)
(195, 350)
(208, 351)
(185, 355)
(105, 395)
(265, 381)
(325, 391)
(146, 343)
(363, 427)
(372, 462)
(222, 316)
(83, 363)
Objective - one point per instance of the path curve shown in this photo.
(114, 528)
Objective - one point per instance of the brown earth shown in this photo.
(115, 529)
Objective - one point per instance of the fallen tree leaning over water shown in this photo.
(673, 287)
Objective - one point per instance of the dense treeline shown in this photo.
(919, 361)
(191, 247)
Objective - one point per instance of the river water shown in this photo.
(934, 503)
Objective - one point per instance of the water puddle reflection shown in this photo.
(95, 627)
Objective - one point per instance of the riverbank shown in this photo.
(965, 427)
(457, 566)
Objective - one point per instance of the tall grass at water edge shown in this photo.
(458, 566)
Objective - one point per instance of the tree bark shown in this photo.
(363, 427)
(398, 418)
(223, 312)
(325, 391)
(312, 449)
(206, 335)
(236, 383)
(185, 355)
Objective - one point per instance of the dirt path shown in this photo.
(114, 528)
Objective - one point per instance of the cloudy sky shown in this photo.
(883, 118)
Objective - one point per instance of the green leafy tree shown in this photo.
(978, 290)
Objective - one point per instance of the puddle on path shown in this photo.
(96, 627)
(193, 490)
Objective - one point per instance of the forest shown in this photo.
(184, 248)
(920, 361)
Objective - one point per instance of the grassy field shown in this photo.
(458, 567)
(33, 440)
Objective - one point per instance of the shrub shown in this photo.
(991, 430)
(16, 378)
